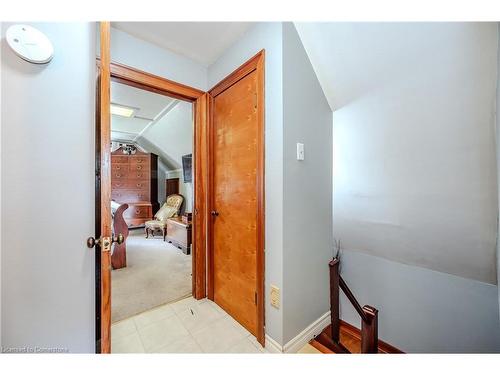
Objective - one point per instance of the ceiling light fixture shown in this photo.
(121, 110)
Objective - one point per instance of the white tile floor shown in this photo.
(186, 326)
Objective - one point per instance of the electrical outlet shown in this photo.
(275, 296)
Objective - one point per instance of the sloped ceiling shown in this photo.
(149, 107)
(353, 59)
(160, 124)
(172, 136)
(414, 139)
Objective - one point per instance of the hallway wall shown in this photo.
(48, 176)
(497, 131)
(415, 175)
(137, 53)
(421, 310)
(307, 193)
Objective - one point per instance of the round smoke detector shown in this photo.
(29, 44)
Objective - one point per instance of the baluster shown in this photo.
(334, 300)
(369, 330)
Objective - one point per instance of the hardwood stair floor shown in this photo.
(350, 338)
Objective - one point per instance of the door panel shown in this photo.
(235, 163)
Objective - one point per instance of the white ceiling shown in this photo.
(149, 108)
(203, 42)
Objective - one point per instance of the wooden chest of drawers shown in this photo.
(179, 234)
(134, 181)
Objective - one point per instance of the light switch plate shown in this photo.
(300, 151)
(275, 296)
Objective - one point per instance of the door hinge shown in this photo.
(255, 297)
(255, 100)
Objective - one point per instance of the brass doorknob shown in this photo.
(91, 241)
(214, 213)
(118, 239)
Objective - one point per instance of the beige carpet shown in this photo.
(157, 272)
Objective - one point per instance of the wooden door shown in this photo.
(237, 201)
(103, 194)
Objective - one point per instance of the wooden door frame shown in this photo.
(256, 63)
(146, 81)
(103, 195)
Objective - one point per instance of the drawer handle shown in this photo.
(118, 175)
(118, 168)
(139, 167)
(139, 185)
(137, 211)
(139, 161)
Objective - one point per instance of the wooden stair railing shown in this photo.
(368, 314)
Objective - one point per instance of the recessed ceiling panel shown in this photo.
(147, 104)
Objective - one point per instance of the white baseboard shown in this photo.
(272, 346)
(295, 344)
(314, 329)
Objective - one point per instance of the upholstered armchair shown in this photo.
(170, 208)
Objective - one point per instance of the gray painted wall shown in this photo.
(266, 36)
(415, 176)
(422, 311)
(145, 56)
(1, 30)
(415, 168)
(497, 131)
(47, 173)
(307, 193)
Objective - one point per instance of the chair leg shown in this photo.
(164, 234)
(146, 230)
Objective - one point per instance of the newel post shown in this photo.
(369, 330)
(334, 299)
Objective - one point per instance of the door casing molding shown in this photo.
(199, 99)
